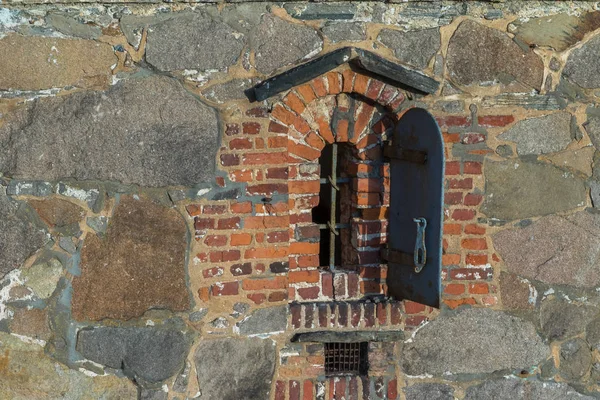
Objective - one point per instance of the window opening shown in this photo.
(327, 213)
(346, 358)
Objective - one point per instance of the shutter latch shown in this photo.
(420, 254)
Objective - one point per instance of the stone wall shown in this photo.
(156, 231)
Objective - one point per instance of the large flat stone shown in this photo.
(583, 65)
(561, 319)
(193, 41)
(473, 58)
(517, 293)
(414, 47)
(559, 31)
(26, 373)
(517, 389)
(429, 391)
(277, 43)
(239, 369)
(19, 238)
(517, 189)
(148, 354)
(344, 31)
(474, 341)
(541, 135)
(577, 160)
(147, 131)
(138, 265)
(575, 359)
(554, 250)
(264, 321)
(58, 63)
(59, 214)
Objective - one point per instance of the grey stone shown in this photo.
(241, 17)
(559, 31)
(66, 243)
(72, 27)
(575, 359)
(525, 100)
(228, 91)
(312, 11)
(577, 160)
(415, 47)
(541, 135)
(504, 150)
(553, 250)
(220, 323)
(277, 43)
(99, 224)
(149, 354)
(152, 394)
(19, 238)
(517, 389)
(193, 41)
(264, 321)
(592, 128)
(29, 374)
(473, 341)
(451, 106)
(560, 319)
(235, 368)
(429, 391)
(344, 31)
(146, 131)
(348, 337)
(583, 65)
(241, 308)
(197, 316)
(554, 64)
(592, 332)
(518, 189)
(38, 189)
(595, 193)
(517, 293)
(43, 277)
(473, 58)
(183, 379)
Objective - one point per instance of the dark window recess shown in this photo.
(327, 213)
(346, 358)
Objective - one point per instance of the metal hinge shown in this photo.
(403, 154)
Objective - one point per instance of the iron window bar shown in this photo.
(346, 358)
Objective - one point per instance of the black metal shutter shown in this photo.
(416, 157)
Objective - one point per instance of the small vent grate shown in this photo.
(346, 358)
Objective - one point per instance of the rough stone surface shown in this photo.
(136, 266)
(228, 91)
(429, 391)
(344, 31)
(57, 212)
(147, 131)
(559, 31)
(516, 389)
(277, 43)
(58, 62)
(583, 65)
(415, 47)
(517, 189)
(577, 160)
(19, 238)
(517, 293)
(26, 373)
(560, 319)
(592, 332)
(31, 323)
(473, 58)
(193, 41)
(254, 360)
(42, 277)
(264, 321)
(541, 135)
(70, 26)
(575, 359)
(149, 355)
(554, 250)
(592, 128)
(474, 341)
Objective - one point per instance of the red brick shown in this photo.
(451, 137)
(240, 144)
(334, 82)
(275, 127)
(266, 252)
(319, 86)
(267, 189)
(450, 259)
(392, 389)
(472, 138)
(463, 215)
(306, 92)
(241, 269)
(193, 210)
(280, 390)
(232, 129)
(204, 293)
(241, 239)
(495, 120)
(204, 223)
(284, 115)
(367, 185)
(479, 288)
(307, 391)
(266, 222)
(454, 289)
(362, 120)
(474, 244)
(228, 160)
(470, 274)
(312, 276)
(215, 240)
(473, 199)
(453, 198)
(473, 229)
(472, 167)
(278, 237)
(278, 296)
(476, 259)
(347, 80)
(251, 128)
(258, 112)
(454, 303)
(294, 103)
(308, 261)
(325, 129)
(225, 289)
(395, 104)
(224, 256)
(257, 298)
(241, 175)
(229, 223)
(381, 313)
(303, 151)
(413, 308)
(452, 168)
(212, 272)
(264, 158)
(278, 142)
(453, 121)
(277, 282)
(304, 187)
(241, 208)
(466, 183)
(314, 140)
(452, 229)
(361, 83)
(214, 209)
(374, 89)
(309, 293)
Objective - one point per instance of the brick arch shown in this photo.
(307, 111)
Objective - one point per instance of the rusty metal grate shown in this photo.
(346, 358)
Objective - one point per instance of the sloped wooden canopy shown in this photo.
(366, 60)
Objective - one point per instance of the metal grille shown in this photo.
(346, 358)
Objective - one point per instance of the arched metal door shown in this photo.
(414, 250)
